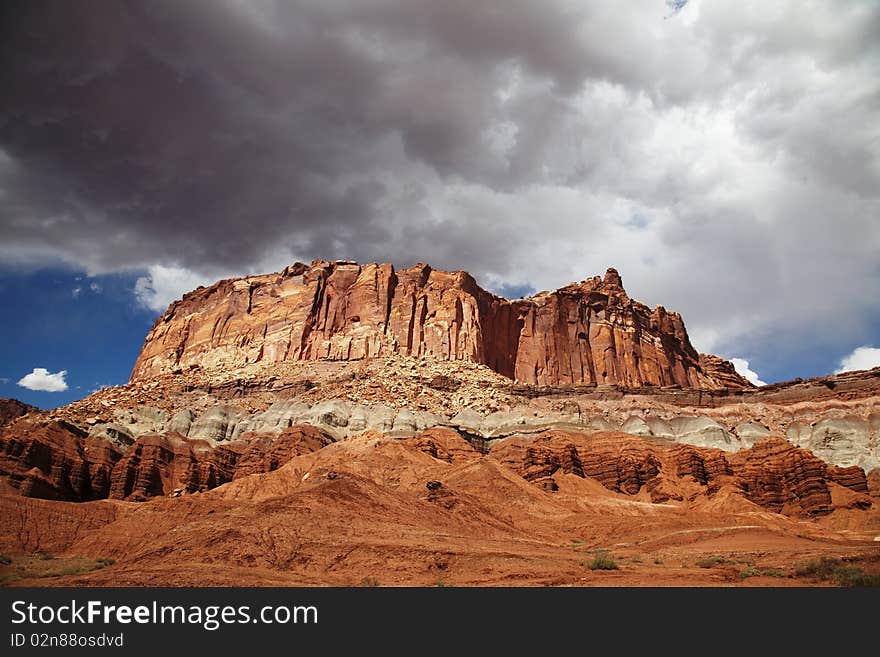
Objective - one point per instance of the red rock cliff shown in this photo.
(586, 333)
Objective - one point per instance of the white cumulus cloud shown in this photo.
(163, 284)
(42, 379)
(862, 358)
(741, 365)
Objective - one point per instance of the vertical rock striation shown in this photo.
(583, 334)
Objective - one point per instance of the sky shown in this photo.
(724, 156)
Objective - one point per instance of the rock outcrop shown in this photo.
(773, 474)
(840, 432)
(783, 478)
(268, 452)
(56, 460)
(11, 409)
(583, 334)
(170, 464)
(444, 445)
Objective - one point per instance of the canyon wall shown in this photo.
(583, 334)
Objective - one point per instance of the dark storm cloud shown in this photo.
(201, 132)
(514, 139)
(184, 135)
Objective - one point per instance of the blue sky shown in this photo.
(94, 335)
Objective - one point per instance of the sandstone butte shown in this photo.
(586, 333)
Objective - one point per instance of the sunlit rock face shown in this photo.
(583, 334)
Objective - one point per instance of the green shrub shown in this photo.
(711, 562)
(41, 565)
(5, 559)
(855, 576)
(775, 572)
(822, 568)
(826, 568)
(751, 571)
(603, 561)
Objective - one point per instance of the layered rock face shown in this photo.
(586, 333)
(773, 474)
(56, 460)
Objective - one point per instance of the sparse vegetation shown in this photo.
(5, 559)
(658, 561)
(775, 572)
(41, 565)
(855, 576)
(72, 570)
(369, 582)
(603, 561)
(823, 568)
(441, 584)
(834, 569)
(749, 571)
(715, 560)
(636, 558)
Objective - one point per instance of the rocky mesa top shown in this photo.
(585, 333)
